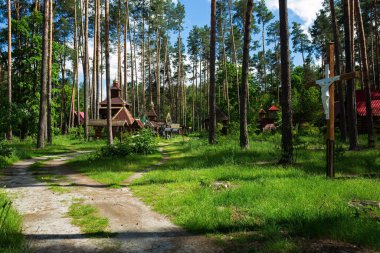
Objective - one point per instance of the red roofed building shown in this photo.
(122, 118)
(362, 112)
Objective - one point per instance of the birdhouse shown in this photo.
(262, 114)
(273, 111)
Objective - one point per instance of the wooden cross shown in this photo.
(328, 93)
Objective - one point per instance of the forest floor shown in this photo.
(44, 191)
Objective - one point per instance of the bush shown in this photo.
(141, 143)
(5, 151)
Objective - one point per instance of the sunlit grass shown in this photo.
(275, 205)
(113, 171)
(11, 238)
(87, 218)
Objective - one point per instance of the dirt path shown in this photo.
(133, 226)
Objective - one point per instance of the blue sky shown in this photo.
(301, 11)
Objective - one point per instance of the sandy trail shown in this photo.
(133, 226)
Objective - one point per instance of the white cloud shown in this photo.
(305, 9)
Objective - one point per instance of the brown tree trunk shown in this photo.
(287, 123)
(44, 77)
(342, 119)
(365, 74)
(137, 110)
(158, 73)
(94, 64)
(126, 28)
(150, 70)
(76, 49)
(351, 100)
(244, 140)
(9, 134)
(108, 75)
(86, 73)
(212, 99)
(119, 75)
(49, 84)
(234, 52)
(98, 56)
(143, 102)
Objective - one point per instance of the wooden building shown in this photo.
(362, 112)
(122, 118)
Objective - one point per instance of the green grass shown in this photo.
(61, 144)
(113, 171)
(11, 238)
(266, 207)
(87, 218)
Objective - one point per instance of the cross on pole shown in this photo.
(327, 93)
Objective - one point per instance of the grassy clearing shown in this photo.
(87, 218)
(265, 207)
(113, 171)
(11, 238)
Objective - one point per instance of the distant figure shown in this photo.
(269, 128)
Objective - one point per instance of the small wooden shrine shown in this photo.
(362, 111)
(267, 120)
(122, 119)
(153, 122)
(222, 118)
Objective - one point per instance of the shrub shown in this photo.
(5, 151)
(141, 143)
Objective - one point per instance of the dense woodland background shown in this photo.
(157, 64)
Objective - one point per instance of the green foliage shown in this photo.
(142, 142)
(87, 218)
(5, 150)
(11, 238)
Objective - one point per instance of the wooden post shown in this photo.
(330, 148)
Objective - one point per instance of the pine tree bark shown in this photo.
(342, 119)
(158, 72)
(49, 85)
(76, 63)
(86, 71)
(94, 64)
(98, 56)
(119, 75)
(9, 134)
(143, 102)
(287, 124)
(44, 77)
(108, 75)
(351, 93)
(212, 98)
(244, 140)
(365, 74)
(126, 29)
(234, 52)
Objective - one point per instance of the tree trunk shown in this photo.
(98, 56)
(342, 120)
(49, 84)
(126, 28)
(108, 76)
(94, 64)
(76, 49)
(119, 76)
(137, 110)
(9, 134)
(365, 74)
(212, 99)
(150, 70)
(44, 77)
(158, 73)
(287, 124)
(143, 103)
(63, 92)
(244, 140)
(234, 51)
(86, 73)
(351, 101)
